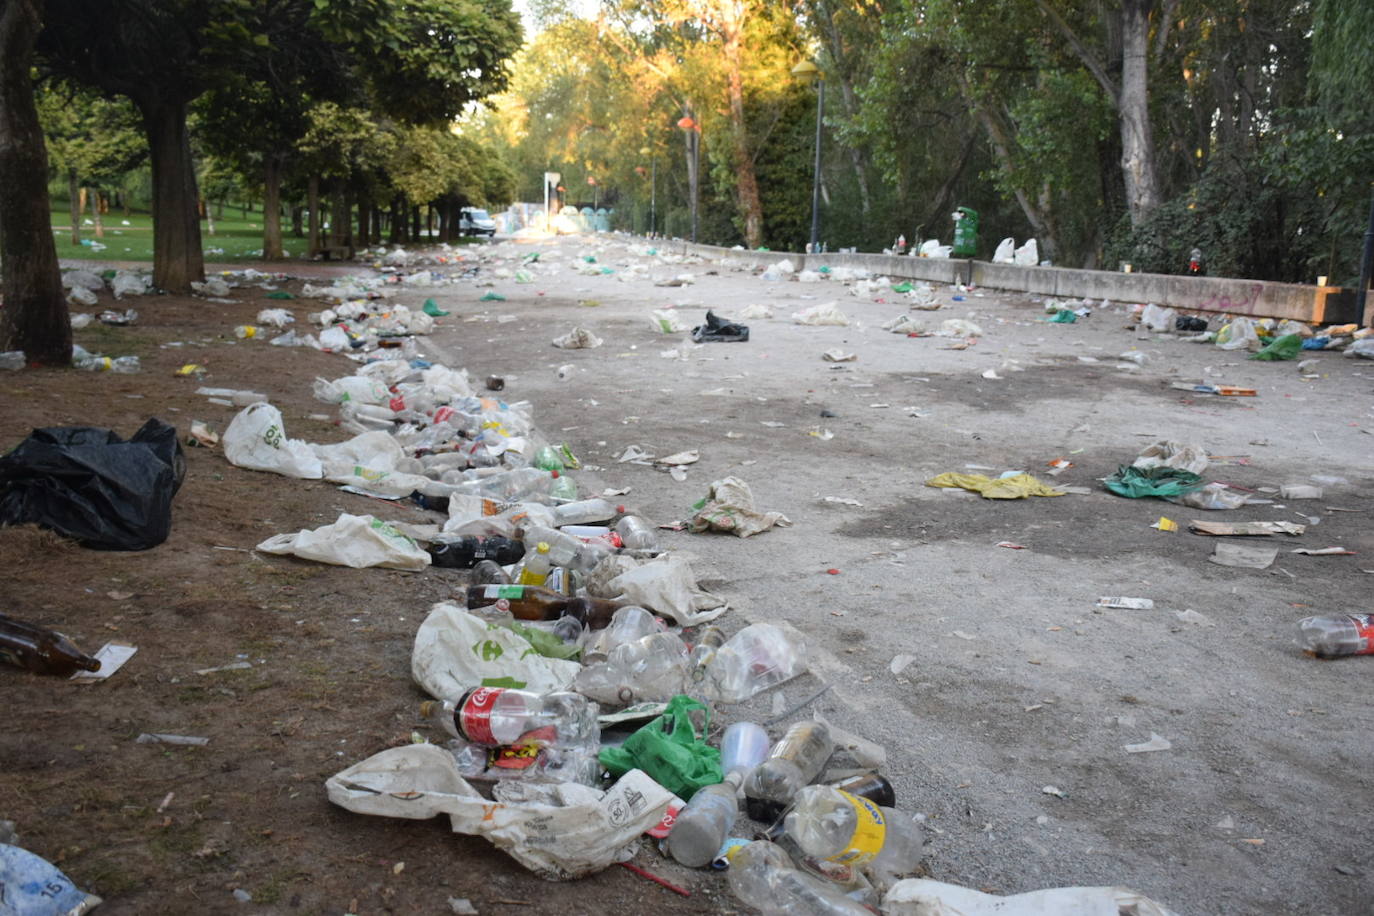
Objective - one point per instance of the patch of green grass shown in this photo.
(109, 877)
(236, 238)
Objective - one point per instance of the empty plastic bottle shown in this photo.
(537, 566)
(651, 668)
(1338, 636)
(761, 875)
(511, 485)
(743, 747)
(636, 533)
(585, 511)
(708, 644)
(627, 624)
(754, 659)
(563, 488)
(831, 824)
(703, 825)
(40, 650)
(793, 763)
(126, 365)
(245, 331)
(497, 716)
(469, 550)
(547, 458)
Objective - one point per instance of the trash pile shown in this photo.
(1267, 339)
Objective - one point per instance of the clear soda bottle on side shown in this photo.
(794, 762)
(702, 826)
(1337, 636)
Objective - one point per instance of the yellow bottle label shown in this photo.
(870, 830)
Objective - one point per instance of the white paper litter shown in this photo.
(925, 897)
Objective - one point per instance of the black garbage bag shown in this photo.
(92, 486)
(717, 328)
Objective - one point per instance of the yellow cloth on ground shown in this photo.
(1018, 486)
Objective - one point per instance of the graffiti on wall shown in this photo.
(1222, 302)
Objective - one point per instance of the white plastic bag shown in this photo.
(275, 318)
(579, 338)
(958, 327)
(826, 313)
(1028, 255)
(359, 541)
(571, 831)
(256, 439)
(667, 586)
(334, 339)
(905, 324)
(351, 388)
(375, 451)
(455, 651)
(729, 507)
(925, 897)
(782, 270)
(1169, 454)
(755, 312)
(1154, 318)
(1006, 252)
(80, 295)
(665, 321)
(1240, 334)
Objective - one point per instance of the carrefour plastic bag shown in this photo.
(456, 651)
(358, 541)
(256, 439)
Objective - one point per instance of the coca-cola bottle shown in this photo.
(41, 650)
(498, 717)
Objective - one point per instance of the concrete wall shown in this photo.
(1256, 298)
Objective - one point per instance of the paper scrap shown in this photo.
(1165, 524)
(1245, 529)
(1132, 604)
(1156, 743)
(111, 657)
(1325, 552)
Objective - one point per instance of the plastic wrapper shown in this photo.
(729, 506)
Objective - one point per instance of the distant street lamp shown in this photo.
(694, 141)
(808, 70)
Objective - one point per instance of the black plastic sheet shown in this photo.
(90, 485)
(720, 329)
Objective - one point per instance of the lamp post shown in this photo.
(653, 188)
(808, 70)
(693, 129)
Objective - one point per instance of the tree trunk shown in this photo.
(746, 180)
(415, 224)
(445, 209)
(271, 208)
(338, 216)
(74, 199)
(835, 46)
(312, 199)
(397, 221)
(35, 317)
(177, 255)
(95, 214)
(998, 135)
(298, 222)
(346, 218)
(1137, 136)
(364, 222)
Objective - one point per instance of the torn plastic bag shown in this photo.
(665, 321)
(667, 586)
(256, 439)
(1134, 482)
(558, 831)
(90, 485)
(1168, 454)
(827, 313)
(32, 886)
(358, 541)
(720, 329)
(456, 651)
(579, 338)
(729, 506)
(905, 324)
(925, 897)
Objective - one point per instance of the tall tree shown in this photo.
(34, 318)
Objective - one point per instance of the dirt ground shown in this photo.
(1016, 681)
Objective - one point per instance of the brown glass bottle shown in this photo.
(530, 602)
(40, 650)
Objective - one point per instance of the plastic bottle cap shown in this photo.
(554, 473)
(619, 510)
(542, 547)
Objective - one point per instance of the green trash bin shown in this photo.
(965, 232)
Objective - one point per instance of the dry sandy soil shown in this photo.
(1018, 681)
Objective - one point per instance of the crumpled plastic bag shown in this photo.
(671, 750)
(1028, 255)
(958, 327)
(1154, 318)
(756, 311)
(359, 541)
(665, 321)
(1134, 482)
(1289, 346)
(1212, 496)
(783, 270)
(80, 295)
(926, 897)
(1169, 454)
(1240, 334)
(571, 831)
(1006, 251)
(256, 439)
(33, 886)
(1018, 486)
(905, 324)
(729, 506)
(350, 388)
(456, 651)
(125, 283)
(667, 586)
(826, 313)
(720, 330)
(376, 450)
(90, 485)
(578, 338)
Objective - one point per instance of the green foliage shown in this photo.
(98, 139)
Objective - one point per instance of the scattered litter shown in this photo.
(729, 507)
(1156, 743)
(578, 338)
(1011, 546)
(1221, 390)
(841, 500)
(111, 657)
(666, 321)
(236, 666)
(183, 740)
(1165, 524)
(1017, 486)
(1192, 616)
(1055, 791)
(1325, 552)
(1229, 553)
(358, 541)
(900, 663)
(836, 355)
(717, 329)
(691, 456)
(1133, 604)
(1245, 529)
(826, 313)
(1300, 491)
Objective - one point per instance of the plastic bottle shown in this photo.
(754, 659)
(470, 549)
(793, 763)
(510, 485)
(743, 747)
(708, 644)
(547, 458)
(126, 365)
(833, 825)
(563, 488)
(702, 826)
(528, 761)
(761, 875)
(871, 786)
(500, 717)
(41, 650)
(636, 533)
(585, 511)
(627, 624)
(651, 668)
(244, 331)
(13, 359)
(537, 566)
(564, 549)
(1338, 636)
(530, 602)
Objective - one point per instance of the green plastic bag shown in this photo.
(1286, 347)
(547, 644)
(432, 309)
(901, 288)
(1064, 316)
(279, 294)
(670, 751)
(1134, 482)
(492, 297)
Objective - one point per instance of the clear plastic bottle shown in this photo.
(563, 488)
(702, 826)
(761, 875)
(554, 764)
(793, 763)
(743, 747)
(245, 331)
(708, 644)
(627, 624)
(499, 717)
(831, 824)
(126, 365)
(636, 533)
(511, 485)
(754, 659)
(652, 668)
(1337, 636)
(585, 511)
(537, 566)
